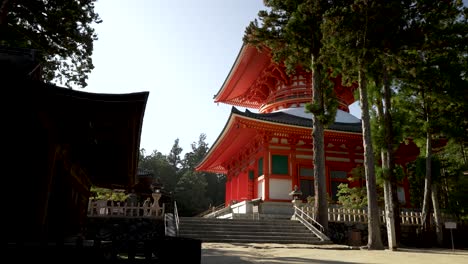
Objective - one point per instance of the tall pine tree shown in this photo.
(291, 29)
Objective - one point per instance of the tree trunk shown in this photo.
(427, 183)
(389, 139)
(437, 216)
(374, 239)
(321, 203)
(389, 216)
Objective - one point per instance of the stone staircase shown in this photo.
(247, 231)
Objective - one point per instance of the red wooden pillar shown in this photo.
(292, 162)
(255, 179)
(238, 186)
(266, 172)
(228, 189)
(234, 187)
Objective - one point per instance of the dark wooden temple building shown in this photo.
(59, 142)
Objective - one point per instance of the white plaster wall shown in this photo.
(280, 188)
(260, 189)
(240, 208)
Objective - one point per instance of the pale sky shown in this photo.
(181, 51)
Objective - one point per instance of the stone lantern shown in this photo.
(296, 196)
(296, 193)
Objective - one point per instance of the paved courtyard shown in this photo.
(298, 253)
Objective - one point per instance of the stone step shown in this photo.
(241, 222)
(217, 220)
(240, 226)
(314, 241)
(246, 231)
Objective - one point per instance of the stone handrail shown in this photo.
(221, 212)
(211, 210)
(310, 223)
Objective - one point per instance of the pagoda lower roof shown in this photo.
(282, 117)
(242, 127)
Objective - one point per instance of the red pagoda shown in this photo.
(266, 153)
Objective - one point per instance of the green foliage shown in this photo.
(193, 191)
(159, 165)
(448, 173)
(174, 156)
(417, 175)
(199, 150)
(353, 197)
(190, 194)
(311, 200)
(61, 30)
(215, 184)
(397, 170)
(108, 194)
(453, 182)
(457, 198)
(290, 29)
(325, 113)
(434, 70)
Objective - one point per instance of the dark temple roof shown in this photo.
(288, 119)
(102, 131)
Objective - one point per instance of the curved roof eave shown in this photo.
(245, 70)
(276, 118)
(218, 139)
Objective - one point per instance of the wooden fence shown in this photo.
(100, 208)
(337, 214)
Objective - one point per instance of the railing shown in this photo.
(171, 223)
(310, 223)
(102, 209)
(217, 213)
(337, 214)
(211, 210)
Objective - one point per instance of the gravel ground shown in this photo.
(225, 253)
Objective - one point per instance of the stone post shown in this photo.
(296, 200)
(155, 208)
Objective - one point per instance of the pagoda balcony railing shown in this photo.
(100, 208)
(293, 94)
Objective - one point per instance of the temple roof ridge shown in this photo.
(282, 117)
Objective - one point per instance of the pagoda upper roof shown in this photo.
(242, 128)
(256, 81)
(249, 64)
